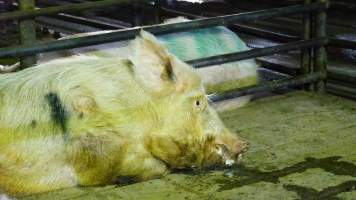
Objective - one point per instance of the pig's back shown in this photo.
(28, 97)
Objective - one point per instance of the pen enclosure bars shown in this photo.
(313, 62)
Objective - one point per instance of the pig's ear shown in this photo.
(152, 65)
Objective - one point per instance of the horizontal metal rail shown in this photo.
(240, 28)
(59, 9)
(258, 52)
(341, 43)
(346, 75)
(158, 29)
(106, 3)
(341, 90)
(264, 33)
(270, 86)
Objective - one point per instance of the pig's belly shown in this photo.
(35, 165)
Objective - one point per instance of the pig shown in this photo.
(90, 121)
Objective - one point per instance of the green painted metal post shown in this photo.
(27, 32)
(306, 54)
(320, 58)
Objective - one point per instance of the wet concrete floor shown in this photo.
(303, 146)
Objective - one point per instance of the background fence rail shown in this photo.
(314, 38)
(158, 29)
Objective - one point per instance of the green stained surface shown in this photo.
(203, 43)
(303, 146)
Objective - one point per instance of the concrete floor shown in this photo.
(303, 146)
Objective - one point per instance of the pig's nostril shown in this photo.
(229, 162)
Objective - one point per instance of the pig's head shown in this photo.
(187, 132)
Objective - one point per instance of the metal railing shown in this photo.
(313, 62)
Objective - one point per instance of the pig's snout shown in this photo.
(239, 150)
(231, 149)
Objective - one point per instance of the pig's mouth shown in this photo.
(232, 162)
(236, 159)
(221, 160)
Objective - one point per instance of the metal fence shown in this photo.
(312, 71)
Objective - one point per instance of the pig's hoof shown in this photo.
(5, 197)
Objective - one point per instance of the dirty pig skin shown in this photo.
(85, 120)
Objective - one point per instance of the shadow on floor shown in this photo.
(332, 165)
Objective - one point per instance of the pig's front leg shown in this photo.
(94, 157)
(107, 157)
(153, 168)
(140, 165)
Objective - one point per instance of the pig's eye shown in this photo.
(198, 105)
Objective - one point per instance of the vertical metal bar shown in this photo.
(137, 13)
(157, 10)
(306, 54)
(320, 58)
(27, 32)
(311, 87)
